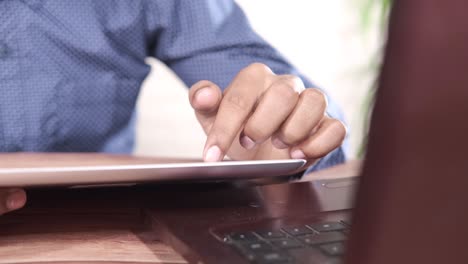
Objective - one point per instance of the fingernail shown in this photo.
(15, 200)
(213, 154)
(298, 154)
(278, 143)
(247, 142)
(203, 95)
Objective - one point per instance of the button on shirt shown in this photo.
(71, 71)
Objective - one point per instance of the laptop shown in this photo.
(412, 193)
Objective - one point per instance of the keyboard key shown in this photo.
(247, 254)
(334, 249)
(255, 246)
(243, 237)
(271, 234)
(328, 226)
(299, 231)
(286, 243)
(309, 255)
(272, 257)
(323, 238)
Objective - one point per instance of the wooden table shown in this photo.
(113, 225)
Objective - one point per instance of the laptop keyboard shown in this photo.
(320, 242)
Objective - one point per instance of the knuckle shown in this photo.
(292, 81)
(288, 87)
(236, 101)
(338, 129)
(256, 71)
(257, 68)
(316, 96)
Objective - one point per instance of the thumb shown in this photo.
(205, 98)
(11, 199)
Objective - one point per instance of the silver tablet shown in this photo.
(132, 174)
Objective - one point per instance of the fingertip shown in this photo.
(297, 154)
(16, 199)
(213, 154)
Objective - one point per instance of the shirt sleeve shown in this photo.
(213, 40)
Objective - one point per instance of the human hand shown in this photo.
(11, 199)
(261, 115)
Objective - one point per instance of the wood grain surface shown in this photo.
(119, 245)
(81, 235)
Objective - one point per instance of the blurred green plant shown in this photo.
(373, 11)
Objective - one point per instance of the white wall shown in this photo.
(323, 39)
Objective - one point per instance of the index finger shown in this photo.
(238, 101)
